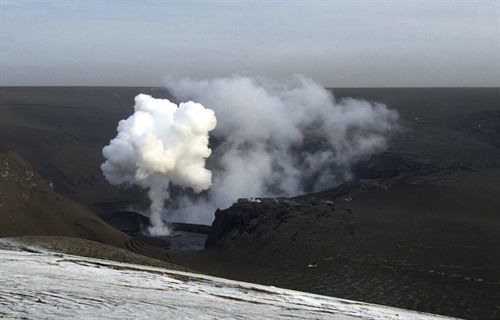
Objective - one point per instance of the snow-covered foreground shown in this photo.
(49, 285)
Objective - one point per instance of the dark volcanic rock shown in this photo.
(243, 217)
(228, 220)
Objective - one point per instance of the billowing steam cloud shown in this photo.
(271, 139)
(278, 139)
(161, 143)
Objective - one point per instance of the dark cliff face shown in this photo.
(268, 220)
(264, 219)
(241, 217)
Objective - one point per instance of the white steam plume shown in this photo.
(161, 143)
(278, 139)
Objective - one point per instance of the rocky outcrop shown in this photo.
(258, 219)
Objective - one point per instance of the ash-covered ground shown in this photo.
(417, 228)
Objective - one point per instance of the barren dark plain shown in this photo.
(418, 227)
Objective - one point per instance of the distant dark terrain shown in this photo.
(417, 228)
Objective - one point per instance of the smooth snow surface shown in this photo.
(47, 285)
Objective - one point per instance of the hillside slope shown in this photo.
(29, 206)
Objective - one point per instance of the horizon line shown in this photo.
(326, 87)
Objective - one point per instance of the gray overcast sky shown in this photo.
(338, 43)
